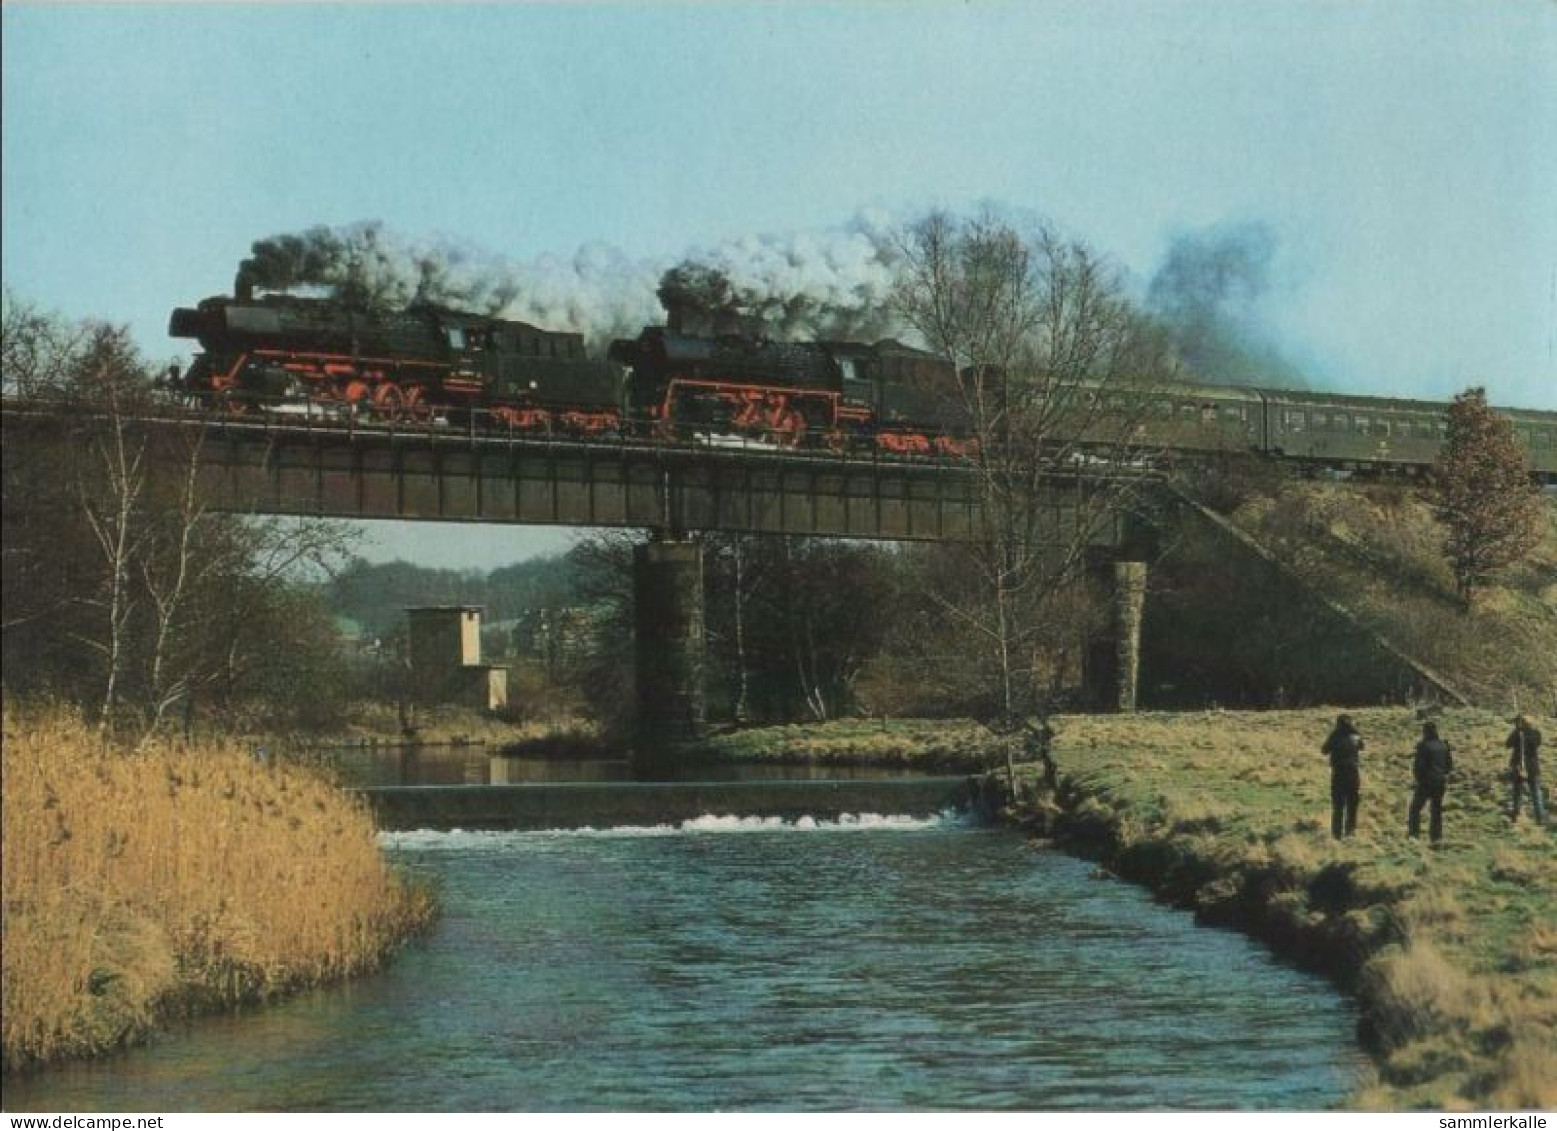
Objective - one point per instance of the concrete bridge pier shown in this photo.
(1114, 660)
(668, 648)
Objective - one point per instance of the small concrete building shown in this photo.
(445, 654)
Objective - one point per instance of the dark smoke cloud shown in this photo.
(1210, 291)
(696, 296)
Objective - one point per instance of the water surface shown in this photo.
(877, 964)
(361, 766)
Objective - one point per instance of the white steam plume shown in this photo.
(832, 283)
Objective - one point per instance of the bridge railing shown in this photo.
(480, 426)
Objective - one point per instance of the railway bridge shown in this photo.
(299, 465)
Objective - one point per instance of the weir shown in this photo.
(572, 805)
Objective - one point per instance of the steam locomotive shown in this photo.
(280, 353)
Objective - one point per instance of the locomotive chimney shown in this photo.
(729, 324)
(673, 316)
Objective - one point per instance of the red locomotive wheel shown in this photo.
(790, 430)
(389, 401)
(417, 406)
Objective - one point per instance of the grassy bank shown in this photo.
(177, 880)
(1452, 952)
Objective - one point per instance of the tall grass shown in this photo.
(179, 879)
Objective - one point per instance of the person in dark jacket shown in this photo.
(1431, 770)
(1524, 763)
(1344, 748)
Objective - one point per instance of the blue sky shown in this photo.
(1400, 155)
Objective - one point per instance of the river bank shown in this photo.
(182, 879)
(1452, 952)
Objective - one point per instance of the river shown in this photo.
(873, 964)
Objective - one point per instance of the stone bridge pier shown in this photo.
(1114, 656)
(668, 649)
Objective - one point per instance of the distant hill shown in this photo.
(375, 596)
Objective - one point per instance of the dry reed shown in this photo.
(174, 880)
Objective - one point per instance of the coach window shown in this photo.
(1363, 427)
(1297, 420)
(456, 337)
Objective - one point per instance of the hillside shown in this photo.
(1342, 581)
(1375, 550)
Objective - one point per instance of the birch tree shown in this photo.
(1055, 372)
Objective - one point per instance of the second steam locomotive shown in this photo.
(280, 353)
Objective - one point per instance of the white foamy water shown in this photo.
(467, 839)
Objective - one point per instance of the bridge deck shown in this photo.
(288, 466)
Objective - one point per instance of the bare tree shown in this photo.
(39, 352)
(123, 590)
(109, 490)
(171, 570)
(736, 570)
(1055, 372)
(1487, 501)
